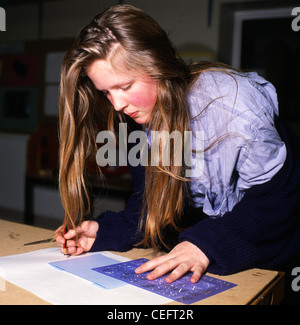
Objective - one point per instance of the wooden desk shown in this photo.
(254, 286)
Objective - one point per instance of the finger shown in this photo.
(178, 272)
(79, 250)
(67, 250)
(74, 232)
(70, 234)
(74, 251)
(70, 250)
(59, 236)
(150, 265)
(60, 240)
(59, 231)
(198, 271)
(71, 243)
(164, 268)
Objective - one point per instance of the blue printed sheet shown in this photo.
(181, 290)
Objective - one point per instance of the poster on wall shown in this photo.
(18, 92)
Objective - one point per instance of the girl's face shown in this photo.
(131, 93)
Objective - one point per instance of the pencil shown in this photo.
(43, 241)
(65, 230)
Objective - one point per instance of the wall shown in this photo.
(12, 170)
(186, 21)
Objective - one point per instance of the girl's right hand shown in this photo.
(79, 240)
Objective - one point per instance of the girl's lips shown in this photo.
(132, 115)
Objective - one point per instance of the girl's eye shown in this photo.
(126, 87)
(104, 93)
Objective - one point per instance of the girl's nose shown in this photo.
(118, 102)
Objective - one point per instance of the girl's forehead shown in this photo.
(103, 66)
(103, 72)
(104, 76)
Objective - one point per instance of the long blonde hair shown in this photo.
(142, 46)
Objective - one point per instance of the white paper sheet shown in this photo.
(32, 272)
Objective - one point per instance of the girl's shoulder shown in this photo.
(222, 80)
(236, 91)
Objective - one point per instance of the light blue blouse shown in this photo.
(236, 114)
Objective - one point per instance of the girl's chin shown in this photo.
(140, 120)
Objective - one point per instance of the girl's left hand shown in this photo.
(183, 258)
